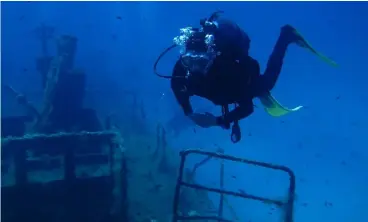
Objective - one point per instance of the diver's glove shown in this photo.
(205, 120)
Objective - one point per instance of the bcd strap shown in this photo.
(235, 130)
(225, 111)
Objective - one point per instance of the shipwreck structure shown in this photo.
(60, 163)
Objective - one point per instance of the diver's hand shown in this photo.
(205, 120)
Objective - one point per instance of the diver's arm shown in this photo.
(240, 112)
(178, 86)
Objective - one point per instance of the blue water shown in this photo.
(325, 143)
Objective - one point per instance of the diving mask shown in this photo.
(197, 49)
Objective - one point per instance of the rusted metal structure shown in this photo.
(287, 206)
(64, 176)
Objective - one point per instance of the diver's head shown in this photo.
(197, 49)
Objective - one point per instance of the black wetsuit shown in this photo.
(234, 77)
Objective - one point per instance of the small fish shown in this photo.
(328, 204)
(304, 204)
(114, 37)
(157, 188)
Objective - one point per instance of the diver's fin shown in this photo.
(305, 44)
(274, 108)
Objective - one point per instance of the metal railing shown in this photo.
(286, 206)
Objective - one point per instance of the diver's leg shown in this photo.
(275, 62)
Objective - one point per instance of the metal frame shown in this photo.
(286, 206)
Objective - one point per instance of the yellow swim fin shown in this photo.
(274, 108)
(305, 44)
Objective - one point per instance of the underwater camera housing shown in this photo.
(197, 46)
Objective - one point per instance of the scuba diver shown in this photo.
(215, 64)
